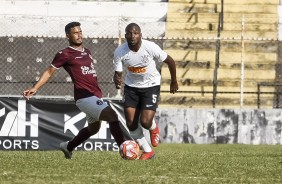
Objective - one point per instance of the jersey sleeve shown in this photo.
(117, 62)
(59, 60)
(158, 53)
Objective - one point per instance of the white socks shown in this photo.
(144, 145)
(154, 125)
(139, 137)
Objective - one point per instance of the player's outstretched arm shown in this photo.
(172, 69)
(46, 75)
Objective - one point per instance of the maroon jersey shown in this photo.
(79, 65)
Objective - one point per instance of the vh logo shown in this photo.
(71, 121)
(15, 122)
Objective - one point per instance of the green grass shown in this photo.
(174, 163)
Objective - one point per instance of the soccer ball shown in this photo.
(129, 150)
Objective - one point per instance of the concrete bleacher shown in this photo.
(192, 27)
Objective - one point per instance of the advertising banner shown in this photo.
(43, 125)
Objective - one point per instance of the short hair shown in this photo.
(132, 25)
(71, 25)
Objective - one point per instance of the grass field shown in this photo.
(174, 163)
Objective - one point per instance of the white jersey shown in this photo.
(140, 66)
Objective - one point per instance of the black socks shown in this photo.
(116, 132)
(82, 136)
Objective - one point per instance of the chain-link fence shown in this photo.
(25, 58)
(29, 43)
(227, 70)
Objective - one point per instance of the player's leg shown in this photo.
(148, 122)
(100, 110)
(109, 115)
(132, 115)
(149, 104)
(85, 133)
(136, 132)
(92, 128)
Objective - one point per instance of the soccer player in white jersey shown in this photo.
(142, 84)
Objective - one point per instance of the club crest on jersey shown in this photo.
(99, 102)
(145, 59)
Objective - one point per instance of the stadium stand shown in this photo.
(196, 22)
(186, 29)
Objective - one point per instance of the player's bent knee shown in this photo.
(146, 124)
(108, 114)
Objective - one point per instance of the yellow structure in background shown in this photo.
(192, 28)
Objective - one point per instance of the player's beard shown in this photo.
(77, 43)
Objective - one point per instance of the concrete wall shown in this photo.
(99, 19)
(222, 126)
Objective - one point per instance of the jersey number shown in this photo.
(154, 98)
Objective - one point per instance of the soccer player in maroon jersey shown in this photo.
(78, 62)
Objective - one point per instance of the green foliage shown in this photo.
(174, 163)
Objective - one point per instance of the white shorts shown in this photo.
(92, 107)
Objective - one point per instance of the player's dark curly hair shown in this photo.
(71, 25)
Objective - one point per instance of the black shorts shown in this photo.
(141, 98)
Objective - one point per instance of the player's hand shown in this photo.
(118, 86)
(173, 87)
(29, 93)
